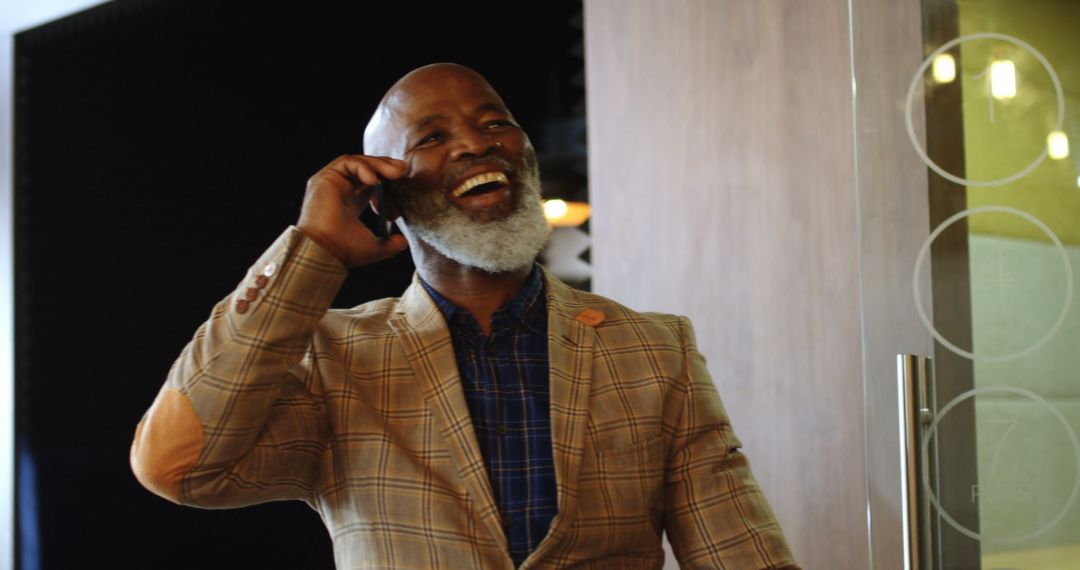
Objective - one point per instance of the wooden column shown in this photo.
(722, 181)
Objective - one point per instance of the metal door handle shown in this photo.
(915, 416)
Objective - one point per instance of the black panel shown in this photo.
(160, 147)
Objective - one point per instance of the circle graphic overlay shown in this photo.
(926, 469)
(916, 80)
(925, 250)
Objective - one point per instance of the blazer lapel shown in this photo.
(421, 328)
(570, 342)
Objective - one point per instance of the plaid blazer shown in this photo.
(361, 414)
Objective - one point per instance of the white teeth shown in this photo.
(478, 180)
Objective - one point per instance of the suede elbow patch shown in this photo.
(167, 444)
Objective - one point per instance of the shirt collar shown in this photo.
(528, 306)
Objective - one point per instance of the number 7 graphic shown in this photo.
(1000, 444)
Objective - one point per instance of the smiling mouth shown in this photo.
(480, 184)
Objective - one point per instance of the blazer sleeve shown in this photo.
(240, 418)
(716, 515)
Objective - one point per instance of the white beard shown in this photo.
(496, 246)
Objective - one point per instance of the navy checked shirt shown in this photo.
(505, 378)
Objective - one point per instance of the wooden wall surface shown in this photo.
(722, 181)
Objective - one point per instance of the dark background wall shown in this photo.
(160, 147)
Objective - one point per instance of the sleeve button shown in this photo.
(242, 306)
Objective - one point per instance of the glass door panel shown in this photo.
(982, 204)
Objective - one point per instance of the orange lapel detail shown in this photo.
(590, 317)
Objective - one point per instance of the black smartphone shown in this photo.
(382, 227)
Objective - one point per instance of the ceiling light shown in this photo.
(561, 213)
(944, 68)
(1003, 79)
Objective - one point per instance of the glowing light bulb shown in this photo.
(560, 213)
(1057, 145)
(1003, 79)
(554, 209)
(944, 70)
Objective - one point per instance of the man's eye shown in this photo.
(499, 123)
(433, 137)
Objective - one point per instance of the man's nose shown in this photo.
(472, 143)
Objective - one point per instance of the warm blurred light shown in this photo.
(1057, 143)
(944, 68)
(1003, 79)
(560, 213)
(1078, 181)
(554, 209)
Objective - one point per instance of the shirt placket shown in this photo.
(497, 354)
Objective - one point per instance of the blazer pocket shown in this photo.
(621, 503)
(632, 476)
(643, 449)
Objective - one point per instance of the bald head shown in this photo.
(405, 104)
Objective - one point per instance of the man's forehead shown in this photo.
(418, 102)
(424, 96)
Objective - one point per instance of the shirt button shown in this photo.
(270, 269)
(261, 281)
(501, 429)
(251, 294)
(241, 306)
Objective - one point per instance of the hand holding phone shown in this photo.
(335, 198)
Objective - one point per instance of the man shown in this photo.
(492, 417)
